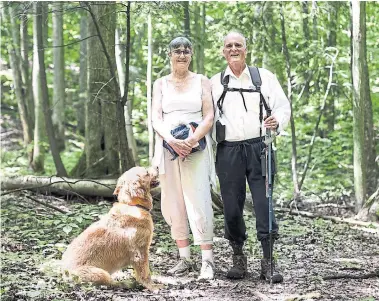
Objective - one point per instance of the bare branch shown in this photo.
(46, 204)
(306, 166)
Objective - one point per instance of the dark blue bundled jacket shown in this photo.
(181, 132)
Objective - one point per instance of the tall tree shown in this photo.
(332, 42)
(289, 95)
(149, 84)
(13, 48)
(24, 40)
(107, 150)
(199, 36)
(307, 38)
(187, 26)
(39, 122)
(360, 96)
(122, 60)
(59, 81)
(61, 171)
(128, 103)
(82, 74)
(187, 21)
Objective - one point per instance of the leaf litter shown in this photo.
(308, 250)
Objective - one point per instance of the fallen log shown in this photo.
(374, 274)
(331, 218)
(82, 187)
(59, 185)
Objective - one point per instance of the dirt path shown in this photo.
(307, 251)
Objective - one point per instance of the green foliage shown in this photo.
(330, 174)
(35, 226)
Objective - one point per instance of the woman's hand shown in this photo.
(190, 141)
(180, 147)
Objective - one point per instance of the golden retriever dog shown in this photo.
(119, 239)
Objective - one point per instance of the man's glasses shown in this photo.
(236, 45)
(185, 52)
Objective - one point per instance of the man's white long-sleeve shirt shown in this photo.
(241, 124)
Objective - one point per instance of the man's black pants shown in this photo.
(236, 161)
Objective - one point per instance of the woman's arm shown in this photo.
(157, 122)
(208, 114)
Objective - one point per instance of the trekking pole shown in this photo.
(269, 189)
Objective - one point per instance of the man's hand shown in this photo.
(180, 147)
(270, 123)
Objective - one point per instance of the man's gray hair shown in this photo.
(179, 41)
(236, 33)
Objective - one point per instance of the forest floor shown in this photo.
(308, 250)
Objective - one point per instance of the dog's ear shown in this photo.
(136, 189)
(120, 183)
(117, 190)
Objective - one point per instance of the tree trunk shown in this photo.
(370, 211)
(200, 37)
(187, 22)
(83, 84)
(372, 166)
(59, 81)
(149, 85)
(61, 171)
(307, 38)
(360, 96)
(289, 95)
(131, 159)
(305, 23)
(268, 42)
(122, 61)
(101, 126)
(107, 150)
(332, 42)
(14, 58)
(39, 122)
(315, 47)
(25, 70)
(187, 26)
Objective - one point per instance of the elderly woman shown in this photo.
(180, 98)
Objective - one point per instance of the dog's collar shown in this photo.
(136, 201)
(142, 207)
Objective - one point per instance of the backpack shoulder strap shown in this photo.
(255, 77)
(224, 81)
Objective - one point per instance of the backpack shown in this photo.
(257, 82)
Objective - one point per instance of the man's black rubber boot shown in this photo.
(265, 263)
(266, 271)
(239, 268)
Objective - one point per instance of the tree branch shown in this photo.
(374, 226)
(78, 41)
(306, 166)
(374, 274)
(46, 204)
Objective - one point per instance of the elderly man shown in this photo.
(239, 128)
